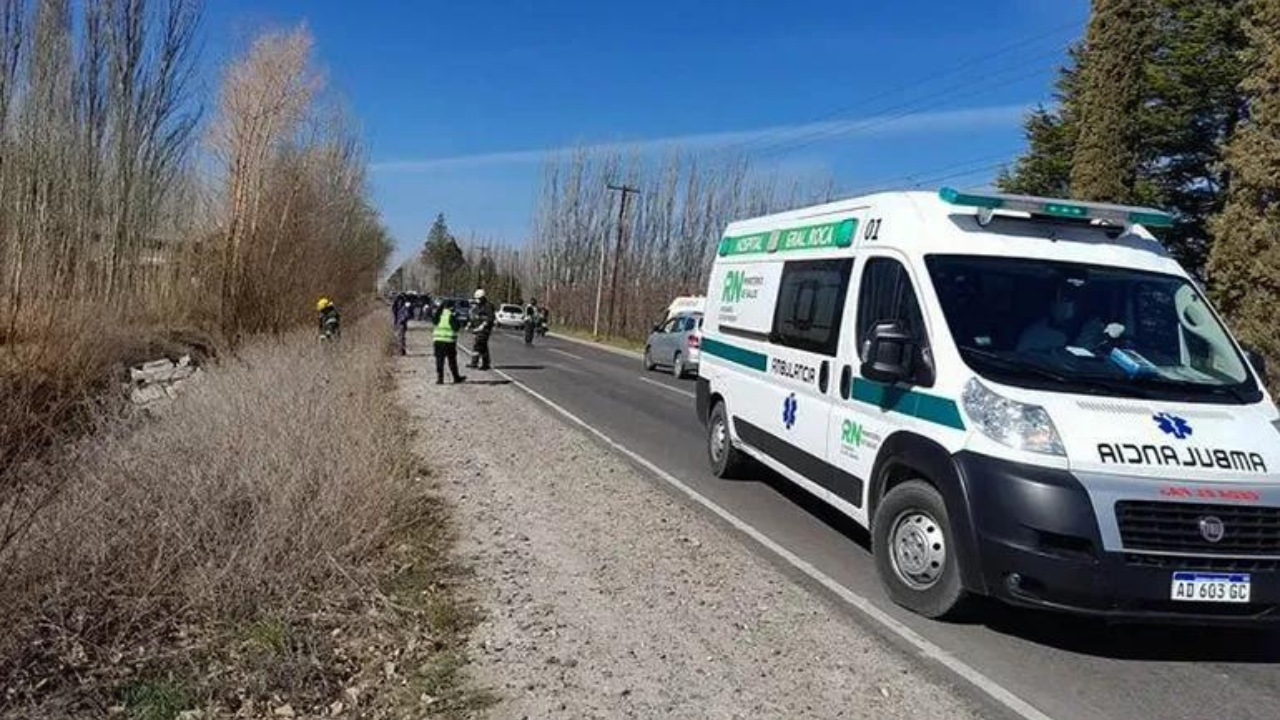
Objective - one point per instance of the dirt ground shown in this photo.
(605, 597)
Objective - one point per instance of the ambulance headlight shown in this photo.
(1276, 424)
(1009, 422)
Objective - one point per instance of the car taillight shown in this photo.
(695, 341)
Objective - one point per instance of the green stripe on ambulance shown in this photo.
(808, 237)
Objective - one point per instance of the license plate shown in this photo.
(1210, 587)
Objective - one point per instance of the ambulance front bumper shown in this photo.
(1040, 543)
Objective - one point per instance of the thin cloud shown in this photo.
(943, 121)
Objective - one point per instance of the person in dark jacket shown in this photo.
(396, 303)
(445, 341)
(330, 321)
(532, 316)
(482, 322)
(403, 312)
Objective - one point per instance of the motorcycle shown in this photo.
(535, 326)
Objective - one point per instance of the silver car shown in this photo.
(676, 343)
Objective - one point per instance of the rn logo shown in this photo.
(735, 282)
(851, 433)
(1173, 425)
(789, 407)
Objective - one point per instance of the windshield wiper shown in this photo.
(1191, 389)
(1009, 365)
(1115, 386)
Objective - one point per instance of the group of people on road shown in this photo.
(444, 337)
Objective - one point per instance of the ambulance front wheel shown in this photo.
(914, 549)
(726, 460)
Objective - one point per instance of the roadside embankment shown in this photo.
(265, 547)
(603, 596)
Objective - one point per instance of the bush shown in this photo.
(270, 489)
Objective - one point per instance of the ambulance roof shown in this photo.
(924, 223)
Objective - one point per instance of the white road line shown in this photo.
(994, 690)
(567, 354)
(665, 386)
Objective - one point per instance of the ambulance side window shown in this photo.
(811, 304)
(887, 295)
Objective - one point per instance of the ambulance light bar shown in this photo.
(1122, 215)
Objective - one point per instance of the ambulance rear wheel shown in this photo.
(914, 549)
(726, 460)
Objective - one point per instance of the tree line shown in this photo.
(134, 204)
(450, 267)
(124, 189)
(1176, 104)
(669, 230)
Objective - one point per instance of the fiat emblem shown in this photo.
(1212, 529)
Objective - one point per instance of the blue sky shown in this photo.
(459, 102)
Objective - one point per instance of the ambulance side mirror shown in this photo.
(888, 356)
(1259, 363)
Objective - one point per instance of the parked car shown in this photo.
(676, 343)
(462, 310)
(510, 316)
(461, 307)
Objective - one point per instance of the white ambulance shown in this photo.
(1020, 397)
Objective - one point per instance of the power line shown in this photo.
(906, 109)
(954, 69)
(813, 135)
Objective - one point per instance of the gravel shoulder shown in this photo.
(605, 596)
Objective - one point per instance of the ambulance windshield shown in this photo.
(1089, 328)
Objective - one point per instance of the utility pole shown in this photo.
(626, 191)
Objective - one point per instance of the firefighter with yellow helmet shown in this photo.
(330, 321)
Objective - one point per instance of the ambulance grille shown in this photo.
(1176, 528)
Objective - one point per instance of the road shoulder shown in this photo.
(607, 597)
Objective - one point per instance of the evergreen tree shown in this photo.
(442, 253)
(1190, 104)
(1244, 266)
(1104, 165)
(486, 271)
(1045, 169)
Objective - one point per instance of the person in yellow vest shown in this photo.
(445, 340)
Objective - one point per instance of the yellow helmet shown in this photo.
(323, 303)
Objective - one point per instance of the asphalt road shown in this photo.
(1064, 667)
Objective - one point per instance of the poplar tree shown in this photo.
(1244, 266)
(1104, 165)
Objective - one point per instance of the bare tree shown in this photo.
(264, 97)
(673, 230)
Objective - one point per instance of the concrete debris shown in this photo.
(159, 380)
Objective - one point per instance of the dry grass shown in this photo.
(635, 344)
(214, 556)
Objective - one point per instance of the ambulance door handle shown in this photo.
(824, 376)
(846, 382)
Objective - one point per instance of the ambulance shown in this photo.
(1022, 398)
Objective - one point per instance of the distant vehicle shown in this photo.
(510, 316)
(676, 344)
(686, 304)
(1018, 397)
(461, 309)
